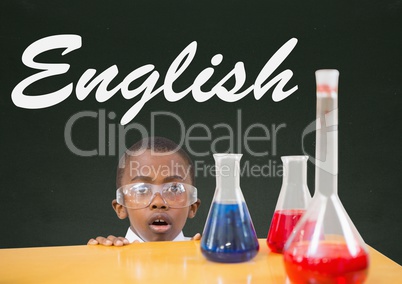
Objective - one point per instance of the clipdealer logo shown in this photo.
(112, 136)
(239, 138)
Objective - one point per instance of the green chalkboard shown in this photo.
(59, 153)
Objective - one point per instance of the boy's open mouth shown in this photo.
(160, 224)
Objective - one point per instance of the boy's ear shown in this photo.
(193, 209)
(120, 210)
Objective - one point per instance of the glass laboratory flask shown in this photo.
(229, 235)
(325, 246)
(293, 200)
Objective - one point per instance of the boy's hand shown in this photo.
(196, 237)
(109, 241)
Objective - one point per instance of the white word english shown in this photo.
(87, 82)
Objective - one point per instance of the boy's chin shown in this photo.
(161, 233)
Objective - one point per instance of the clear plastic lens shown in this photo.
(175, 188)
(142, 189)
(140, 195)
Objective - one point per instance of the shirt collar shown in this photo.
(131, 237)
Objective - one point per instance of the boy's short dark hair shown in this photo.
(158, 145)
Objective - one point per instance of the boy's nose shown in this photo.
(158, 202)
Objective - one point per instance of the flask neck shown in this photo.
(228, 178)
(294, 192)
(326, 156)
(295, 170)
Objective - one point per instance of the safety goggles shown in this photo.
(140, 195)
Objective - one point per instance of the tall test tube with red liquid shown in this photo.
(293, 200)
(325, 246)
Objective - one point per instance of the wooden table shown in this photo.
(157, 262)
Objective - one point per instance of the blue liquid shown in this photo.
(229, 234)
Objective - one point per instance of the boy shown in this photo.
(155, 181)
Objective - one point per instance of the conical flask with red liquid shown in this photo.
(229, 235)
(293, 200)
(325, 246)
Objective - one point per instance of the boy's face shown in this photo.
(156, 169)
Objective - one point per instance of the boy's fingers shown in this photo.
(196, 237)
(92, 242)
(111, 237)
(104, 241)
(124, 240)
(120, 241)
(109, 241)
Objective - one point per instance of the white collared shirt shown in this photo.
(131, 237)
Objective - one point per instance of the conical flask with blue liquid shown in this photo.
(229, 235)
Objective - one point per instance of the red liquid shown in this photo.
(332, 263)
(281, 227)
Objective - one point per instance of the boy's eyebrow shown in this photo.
(142, 178)
(173, 178)
(148, 179)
